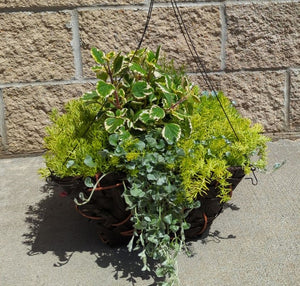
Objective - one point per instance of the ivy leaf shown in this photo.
(105, 89)
(70, 163)
(136, 192)
(185, 225)
(151, 177)
(89, 161)
(168, 219)
(161, 181)
(113, 139)
(140, 145)
(141, 90)
(88, 182)
(97, 55)
(157, 112)
(174, 228)
(113, 124)
(171, 132)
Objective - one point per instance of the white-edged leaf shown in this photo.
(171, 132)
(178, 115)
(162, 88)
(118, 64)
(113, 124)
(157, 112)
(93, 95)
(141, 90)
(97, 55)
(137, 68)
(121, 112)
(110, 113)
(105, 89)
(144, 116)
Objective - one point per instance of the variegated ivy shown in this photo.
(139, 94)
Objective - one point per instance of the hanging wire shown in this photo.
(200, 65)
(143, 35)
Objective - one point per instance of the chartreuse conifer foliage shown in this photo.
(149, 121)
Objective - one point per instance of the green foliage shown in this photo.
(155, 197)
(72, 147)
(141, 94)
(149, 121)
(212, 146)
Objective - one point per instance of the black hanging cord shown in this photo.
(198, 61)
(146, 25)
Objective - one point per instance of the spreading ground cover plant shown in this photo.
(150, 122)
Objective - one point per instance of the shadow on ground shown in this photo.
(55, 226)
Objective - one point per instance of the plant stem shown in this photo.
(177, 103)
(117, 103)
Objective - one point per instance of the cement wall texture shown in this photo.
(251, 50)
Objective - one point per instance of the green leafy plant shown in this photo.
(73, 143)
(148, 121)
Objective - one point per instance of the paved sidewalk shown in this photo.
(255, 241)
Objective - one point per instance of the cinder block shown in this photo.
(295, 101)
(117, 30)
(27, 109)
(295, 115)
(1, 147)
(295, 84)
(63, 3)
(35, 47)
(263, 35)
(257, 95)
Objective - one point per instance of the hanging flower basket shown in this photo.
(108, 210)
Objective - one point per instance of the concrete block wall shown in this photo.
(251, 50)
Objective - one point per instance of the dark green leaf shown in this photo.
(118, 63)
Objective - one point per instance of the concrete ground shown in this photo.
(255, 241)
